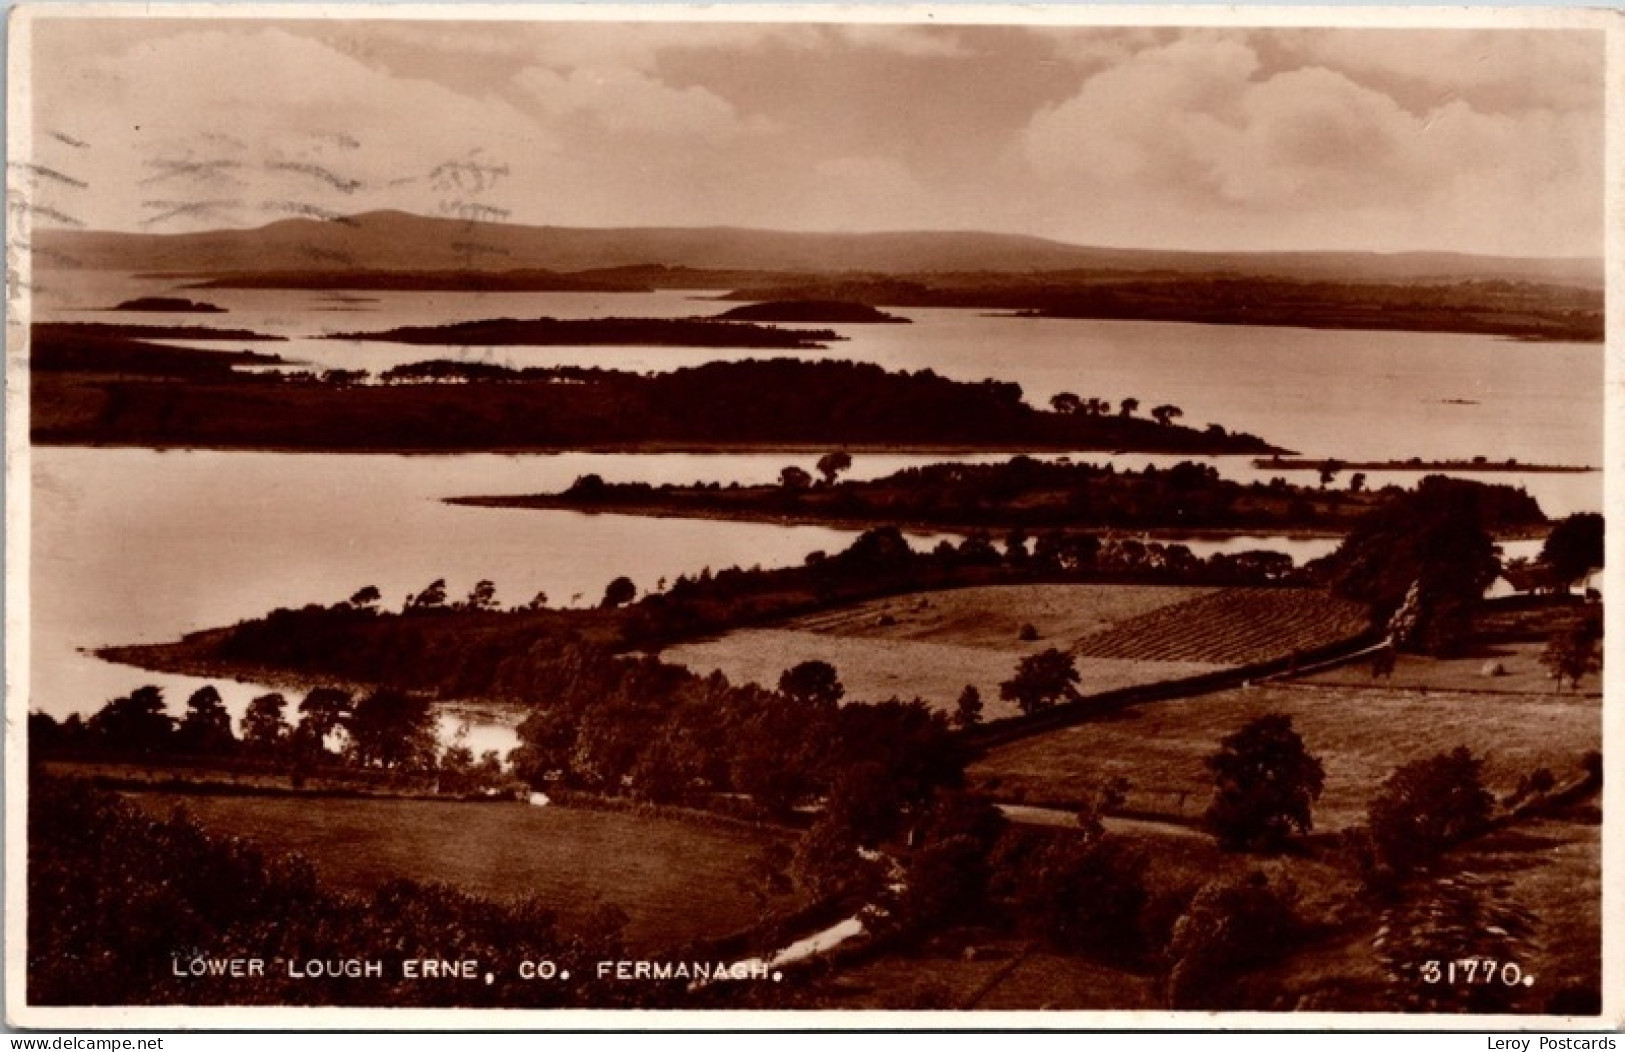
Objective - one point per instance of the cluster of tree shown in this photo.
(1068, 402)
(654, 731)
(119, 349)
(1423, 559)
(1230, 925)
(1081, 891)
(1030, 494)
(385, 729)
(1266, 782)
(575, 332)
(1575, 652)
(804, 311)
(1574, 548)
(120, 903)
(1423, 809)
(1076, 890)
(474, 649)
(778, 401)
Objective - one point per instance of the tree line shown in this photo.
(383, 730)
(461, 406)
(1028, 493)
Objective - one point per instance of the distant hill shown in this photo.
(397, 241)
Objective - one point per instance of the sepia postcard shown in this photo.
(766, 516)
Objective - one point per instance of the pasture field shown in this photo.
(877, 669)
(1553, 869)
(1549, 868)
(930, 645)
(992, 616)
(972, 967)
(990, 972)
(677, 881)
(1360, 732)
(1499, 668)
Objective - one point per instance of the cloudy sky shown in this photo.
(1484, 141)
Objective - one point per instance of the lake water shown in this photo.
(142, 546)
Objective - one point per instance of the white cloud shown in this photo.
(1492, 69)
(620, 99)
(260, 124)
(1201, 129)
(910, 41)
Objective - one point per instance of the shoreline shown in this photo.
(651, 448)
(1158, 533)
(1487, 467)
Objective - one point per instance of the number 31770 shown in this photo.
(1484, 971)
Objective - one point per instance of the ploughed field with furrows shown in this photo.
(1234, 626)
(993, 616)
(931, 645)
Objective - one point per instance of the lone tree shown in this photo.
(968, 710)
(265, 725)
(431, 598)
(1574, 547)
(393, 729)
(1265, 785)
(1066, 402)
(1573, 653)
(618, 592)
(1128, 407)
(483, 596)
(832, 464)
(366, 598)
(324, 710)
(1230, 924)
(1040, 681)
(206, 727)
(813, 683)
(1166, 414)
(136, 722)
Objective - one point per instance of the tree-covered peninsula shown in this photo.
(94, 389)
(1022, 493)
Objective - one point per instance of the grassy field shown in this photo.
(676, 881)
(1360, 731)
(1503, 668)
(1548, 867)
(992, 616)
(1551, 868)
(932, 644)
(970, 967)
(990, 973)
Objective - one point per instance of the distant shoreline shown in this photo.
(718, 449)
(1503, 466)
(654, 510)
